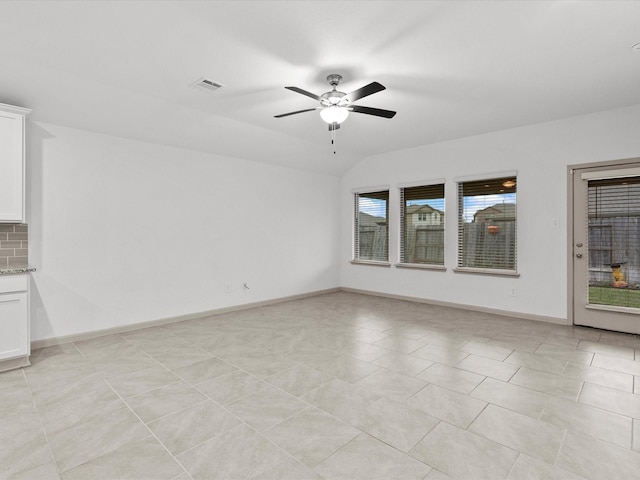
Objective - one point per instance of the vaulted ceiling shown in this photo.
(452, 69)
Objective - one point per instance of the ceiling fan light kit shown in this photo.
(334, 114)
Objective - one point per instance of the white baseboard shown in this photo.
(49, 342)
(14, 363)
(461, 306)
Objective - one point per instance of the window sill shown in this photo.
(422, 266)
(487, 271)
(375, 263)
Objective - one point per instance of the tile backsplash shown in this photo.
(14, 245)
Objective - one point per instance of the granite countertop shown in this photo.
(16, 269)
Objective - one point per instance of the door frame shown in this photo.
(570, 219)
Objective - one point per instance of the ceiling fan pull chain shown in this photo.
(333, 138)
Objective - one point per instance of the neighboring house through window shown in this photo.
(422, 224)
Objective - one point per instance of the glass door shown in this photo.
(606, 247)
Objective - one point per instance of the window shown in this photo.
(422, 224)
(371, 233)
(487, 224)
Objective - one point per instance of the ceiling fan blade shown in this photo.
(373, 87)
(378, 112)
(304, 92)
(293, 113)
(333, 126)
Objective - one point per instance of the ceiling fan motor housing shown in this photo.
(331, 98)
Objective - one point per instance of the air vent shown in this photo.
(206, 84)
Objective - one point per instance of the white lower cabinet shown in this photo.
(14, 321)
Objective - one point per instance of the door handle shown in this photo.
(578, 255)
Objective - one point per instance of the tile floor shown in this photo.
(337, 386)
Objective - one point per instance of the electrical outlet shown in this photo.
(227, 287)
(513, 292)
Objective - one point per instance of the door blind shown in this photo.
(614, 241)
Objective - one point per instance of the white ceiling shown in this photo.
(452, 69)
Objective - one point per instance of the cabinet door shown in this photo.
(14, 325)
(11, 167)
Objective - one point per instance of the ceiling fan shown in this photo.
(335, 106)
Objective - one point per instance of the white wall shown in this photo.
(123, 232)
(540, 153)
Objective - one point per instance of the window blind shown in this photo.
(371, 229)
(422, 224)
(487, 223)
(614, 241)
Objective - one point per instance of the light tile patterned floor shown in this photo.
(337, 386)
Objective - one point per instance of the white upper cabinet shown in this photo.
(12, 163)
